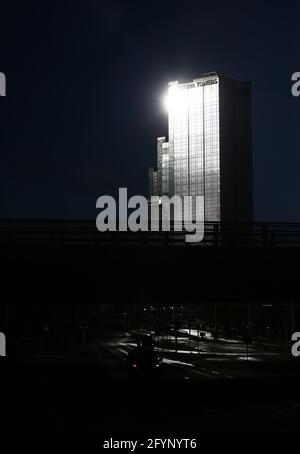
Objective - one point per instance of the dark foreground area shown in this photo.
(78, 400)
(79, 407)
(92, 394)
(218, 389)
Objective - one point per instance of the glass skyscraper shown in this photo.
(209, 148)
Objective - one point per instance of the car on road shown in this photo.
(143, 362)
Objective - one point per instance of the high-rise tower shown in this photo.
(209, 148)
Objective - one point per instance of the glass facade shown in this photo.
(194, 142)
(153, 183)
(165, 184)
(159, 178)
(189, 163)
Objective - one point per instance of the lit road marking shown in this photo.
(280, 412)
(173, 361)
(201, 373)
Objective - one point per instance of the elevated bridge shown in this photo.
(69, 261)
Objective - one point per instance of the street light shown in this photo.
(267, 327)
(292, 317)
(215, 319)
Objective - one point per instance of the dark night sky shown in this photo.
(84, 82)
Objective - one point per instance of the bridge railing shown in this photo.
(84, 233)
